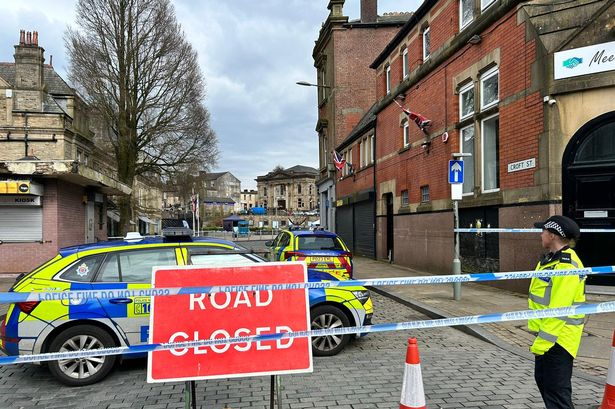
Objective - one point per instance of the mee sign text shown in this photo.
(193, 317)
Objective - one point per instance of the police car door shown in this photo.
(131, 270)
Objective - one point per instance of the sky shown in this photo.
(251, 52)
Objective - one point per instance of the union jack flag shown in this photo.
(420, 120)
(338, 160)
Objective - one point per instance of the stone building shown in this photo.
(346, 85)
(523, 87)
(53, 182)
(221, 185)
(290, 190)
(248, 199)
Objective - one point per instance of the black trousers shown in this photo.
(553, 373)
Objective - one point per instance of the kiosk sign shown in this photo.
(194, 317)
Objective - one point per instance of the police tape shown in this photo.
(409, 325)
(77, 297)
(505, 230)
(84, 295)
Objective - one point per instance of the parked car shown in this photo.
(51, 326)
(320, 249)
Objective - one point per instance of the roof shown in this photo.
(557, 21)
(213, 175)
(296, 170)
(302, 169)
(324, 233)
(54, 83)
(67, 251)
(367, 122)
(212, 199)
(412, 21)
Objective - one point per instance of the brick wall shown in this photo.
(520, 110)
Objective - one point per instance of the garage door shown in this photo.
(343, 222)
(21, 223)
(364, 240)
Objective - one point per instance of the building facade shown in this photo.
(51, 192)
(346, 85)
(500, 82)
(222, 185)
(248, 199)
(290, 190)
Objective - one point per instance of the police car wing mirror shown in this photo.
(269, 243)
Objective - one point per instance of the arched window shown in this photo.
(598, 146)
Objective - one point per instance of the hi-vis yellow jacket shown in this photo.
(554, 292)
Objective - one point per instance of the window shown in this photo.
(425, 193)
(388, 78)
(467, 146)
(322, 81)
(485, 3)
(404, 198)
(466, 12)
(82, 270)
(79, 154)
(367, 151)
(318, 243)
(406, 133)
(299, 204)
(310, 189)
(405, 66)
(299, 188)
(490, 153)
(135, 266)
(489, 88)
(426, 43)
(466, 101)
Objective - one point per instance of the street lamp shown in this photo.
(309, 84)
(456, 198)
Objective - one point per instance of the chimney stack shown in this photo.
(369, 11)
(29, 72)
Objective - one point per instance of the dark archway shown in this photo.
(588, 190)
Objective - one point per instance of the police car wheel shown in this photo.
(328, 317)
(82, 371)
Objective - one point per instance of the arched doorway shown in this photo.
(588, 189)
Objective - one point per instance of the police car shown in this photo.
(51, 326)
(320, 249)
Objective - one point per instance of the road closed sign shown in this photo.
(195, 317)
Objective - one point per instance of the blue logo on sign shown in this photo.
(455, 171)
(572, 62)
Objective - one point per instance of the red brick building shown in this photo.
(346, 85)
(488, 74)
(53, 179)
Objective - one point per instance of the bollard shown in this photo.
(412, 392)
(608, 402)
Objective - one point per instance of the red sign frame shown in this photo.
(181, 318)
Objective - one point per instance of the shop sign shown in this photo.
(20, 200)
(585, 60)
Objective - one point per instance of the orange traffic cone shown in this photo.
(412, 393)
(608, 402)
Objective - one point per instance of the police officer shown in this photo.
(557, 339)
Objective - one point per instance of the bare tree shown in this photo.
(134, 66)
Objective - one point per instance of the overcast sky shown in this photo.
(251, 53)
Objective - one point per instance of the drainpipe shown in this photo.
(375, 194)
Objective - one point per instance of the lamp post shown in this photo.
(309, 84)
(456, 196)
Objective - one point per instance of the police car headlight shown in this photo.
(362, 295)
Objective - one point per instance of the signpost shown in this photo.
(455, 178)
(224, 315)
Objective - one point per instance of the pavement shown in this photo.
(436, 301)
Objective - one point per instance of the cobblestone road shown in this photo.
(458, 371)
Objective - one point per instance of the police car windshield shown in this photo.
(319, 243)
